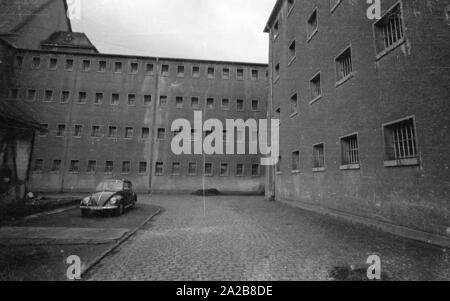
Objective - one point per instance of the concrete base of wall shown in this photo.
(429, 238)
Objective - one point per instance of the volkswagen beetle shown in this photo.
(110, 196)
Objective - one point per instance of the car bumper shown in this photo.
(98, 208)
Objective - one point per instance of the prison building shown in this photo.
(110, 116)
(364, 112)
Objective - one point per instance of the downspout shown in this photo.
(153, 132)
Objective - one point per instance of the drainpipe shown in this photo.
(153, 132)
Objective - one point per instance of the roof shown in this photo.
(69, 40)
(14, 14)
(273, 15)
(13, 116)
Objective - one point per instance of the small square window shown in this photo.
(240, 74)
(65, 96)
(225, 104)
(48, 96)
(211, 72)
(31, 94)
(69, 65)
(240, 170)
(240, 105)
(145, 133)
(95, 131)
(224, 170)
(53, 63)
(255, 170)
(147, 100)
(92, 166)
(38, 165)
(401, 141)
(56, 166)
(74, 166)
(61, 130)
(126, 167)
(131, 99)
(176, 167)
(102, 66)
(192, 169)
(98, 98)
(208, 169)
(19, 61)
(210, 103)
(161, 134)
(180, 71)
(196, 71)
(112, 132)
(36, 62)
(115, 99)
(142, 167)
(312, 24)
(255, 74)
(78, 131)
(82, 97)
(319, 157)
(179, 102)
(226, 73)
(316, 90)
(296, 161)
(255, 105)
(129, 132)
(159, 168)
(149, 69)
(195, 103)
(163, 101)
(344, 66)
(118, 67)
(350, 150)
(134, 68)
(86, 65)
(165, 70)
(109, 167)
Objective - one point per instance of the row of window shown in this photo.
(400, 146)
(134, 68)
(126, 168)
(98, 99)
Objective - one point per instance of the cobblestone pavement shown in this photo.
(247, 238)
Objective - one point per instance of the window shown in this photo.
(319, 157)
(145, 133)
(316, 91)
(295, 161)
(161, 134)
(255, 170)
(69, 65)
(292, 52)
(134, 68)
(208, 169)
(98, 98)
(180, 71)
(78, 131)
(165, 70)
(142, 167)
(389, 31)
(92, 166)
(240, 105)
(176, 168)
(196, 71)
(118, 67)
(19, 61)
(225, 104)
(334, 4)
(44, 130)
(195, 103)
(102, 66)
(350, 150)
(276, 30)
(129, 132)
(226, 73)
(147, 100)
(240, 74)
(53, 63)
(36, 62)
(131, 99)
(112, 132)
(95, 131)
(48, 96)
(255, 105)
(240, 170)
(210, 103)
(163, 101)
(224, 170)
(294, 104)
(401, 143)
(14, 94)
(56, 166)
(149, 69)
(38, 165)
(31, 94)
(211, 72)
(74, 166)
(65, 96)
(192, 169)
(159, 168)
(109, 167)
(82, 97)
(255, 74)
(126, 167)
(115, 99)
(312, 24)
(277, 71)
(179, 102)
(61, 130)
(290, 5)
(344, 66)
(86, 66)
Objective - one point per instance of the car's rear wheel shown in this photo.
(120, 209)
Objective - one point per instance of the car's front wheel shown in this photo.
(120, 209)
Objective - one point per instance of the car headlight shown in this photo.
(86, 200)
(114, 200)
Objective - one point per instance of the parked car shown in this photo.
(110, 196)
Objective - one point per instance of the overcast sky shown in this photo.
(198, 29)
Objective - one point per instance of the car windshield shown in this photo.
(110, 185)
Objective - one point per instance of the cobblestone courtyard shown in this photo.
(247, 238)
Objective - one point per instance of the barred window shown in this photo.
(92, 166)
(240, 105)
(179, 102)
(165, 70)
(129, 132)
(149, 69)
(145, 133)
(147, 100)
(109, 166)
(36, 62)
(48, 96)
(210, 103)
(224, 170)
(180, 71)
(255, 170)
(95, 131)
(196, 71)
(134, 68)
(118, 67)
(316, 90)
(296, 161)
(208, 169)
(126, 167)
(344, 64)
(312, 24)
(102, 66)
(401, 140)
(112, 132)
(142, 167)
(61, 130)
(192, 169)
(53, 63)
(240, 74)
(159, 168)
(255, 74)
(82, 97)
(211, 72)
(69, 65)
(239, 170)
(74, 166)
(294, 104)
(389, 29)
(292, 52)
(38, 165)
(163, 101)
(56, 166)
(195, 102)
(115, 99)
(65, 96)
(98, 98)
(161, 134)
(226, 73)
(350, 150)
(131, 99)
(319, 156)
(78, 129)
(86, 66)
